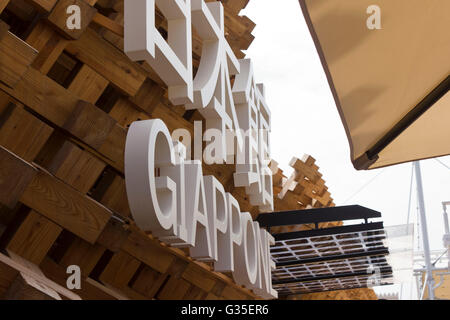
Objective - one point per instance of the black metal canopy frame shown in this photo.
(337, 258)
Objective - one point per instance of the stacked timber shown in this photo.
(66, 101)
(304, 189)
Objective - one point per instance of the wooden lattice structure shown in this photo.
(304, 189)
(66, 100)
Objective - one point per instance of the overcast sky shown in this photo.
(305, 120)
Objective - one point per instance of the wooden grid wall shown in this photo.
(66, 99)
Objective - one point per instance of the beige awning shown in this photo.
(391, 85)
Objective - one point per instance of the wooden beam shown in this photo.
(15, 176)
(16, 55)
(43, 5)
(108, 61)
(34, 238)
(66, 206)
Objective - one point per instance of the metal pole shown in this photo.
(447, 231)
(423, 223)
(446, 227)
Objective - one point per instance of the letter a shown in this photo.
(74, 280)
(74, 20)
(374, 20)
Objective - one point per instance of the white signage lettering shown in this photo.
(171, 198)
(235, 114)
(167, 192)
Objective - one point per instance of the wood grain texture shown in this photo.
(3, 26)
(83, 254)
(148, 252)
(15, 176)
(34, 238)
(89, 124)
(16, 56)
(88, 84)
(108, 61)
(66, 206)
(76, 167)
(43, 5)
(22, 133)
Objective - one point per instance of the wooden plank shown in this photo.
(145, 250)
(40, 35)
(112, 293)
(235, 6)
(305, 169)
(88, 84)
(42, 5)
(120, 270)
(114, 147)
(114, 196)
(218, 289)
(22, 133)
(90, 124)
(76, 167)
(175, 289)
(59, 17)
(17, 56)
(114, 235)
(7, 276)
(49, 53)
(125, 113)
(148, 96)
(3, 26)
(34, 238)
(44, 96)
(139, 244)
(15, 176)
(199, 278)
(230, 293)
(83, 254)
(109, 24)
(3, 4)
(66, 206)
(57, 104)
(149, 282)
(211, 296)
(108, 61)
(195, 293)
(21, 10)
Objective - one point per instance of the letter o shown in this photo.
(246, 264)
